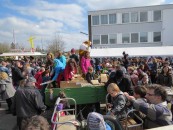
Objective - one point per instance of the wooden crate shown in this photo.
(131, 124)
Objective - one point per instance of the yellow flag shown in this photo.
(31, 41)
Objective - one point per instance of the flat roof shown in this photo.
(22, 54)
(133, 51)
(164, 6)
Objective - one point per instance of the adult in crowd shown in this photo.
(165, 77)
(61, 57)
(57, 73)
(28, 70)
(49, 61)
(123, 82)
(17, 75)
(74, 56)
(153, 71)
(7, 90)
(3, 68)
(144, 80)
(156, 111)
(27, 101)
(35, 123)
(133, 75)
(70, 70)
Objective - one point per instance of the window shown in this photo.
(143, 16)
(96, 39)
(143, 37)
(157, 15)
(157, 36)
(95, 20)
(112, 18)
(112, 38)
(125, 18)
(125, 38)
(134, 17)
(104, 19)
(134, 38)
(104, 39)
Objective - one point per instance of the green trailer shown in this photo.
(82, 95)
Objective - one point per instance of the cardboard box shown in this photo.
(103, 78)
(72, 84)
(69, 84)
(95, 82)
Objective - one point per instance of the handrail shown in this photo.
(55, 109)
(127, 115)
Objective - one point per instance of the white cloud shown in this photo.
(43, 21)
(113, 4)
(69, 14)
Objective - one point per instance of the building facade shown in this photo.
(132, 27)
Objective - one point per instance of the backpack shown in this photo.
(95, 121)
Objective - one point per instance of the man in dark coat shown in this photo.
(17, 75)
(27, 102)
(123, 82)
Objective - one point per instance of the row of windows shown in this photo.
(141, 37)
(132, 17)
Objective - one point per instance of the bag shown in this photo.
(95, 121)
(2, 88)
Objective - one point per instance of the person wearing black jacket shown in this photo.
(17, 75)
(90, 75)
(123, 82)
(74, 56)
(27, 101)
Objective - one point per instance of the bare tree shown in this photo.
(56, 44)
(4, 47)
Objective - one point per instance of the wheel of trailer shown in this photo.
(112, 122)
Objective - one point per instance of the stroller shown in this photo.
(132, 120)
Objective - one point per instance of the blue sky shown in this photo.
(44, 19)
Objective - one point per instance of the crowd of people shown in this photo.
(133, 82)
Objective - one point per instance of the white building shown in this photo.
(132, 27)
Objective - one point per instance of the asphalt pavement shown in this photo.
(7, 121)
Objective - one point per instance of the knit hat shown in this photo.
(119, 74)
(95, 121)
(72, 50)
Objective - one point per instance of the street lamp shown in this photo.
(84, 33)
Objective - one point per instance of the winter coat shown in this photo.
(119, 105)
(27, 102)
(58, 68)
(68, 73)
(85, 63)
(6, 88)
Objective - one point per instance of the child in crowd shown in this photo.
(118, 102)
(139, 95)
(90, 75)
(45, 77)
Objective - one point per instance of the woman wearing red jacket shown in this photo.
(70, 70)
